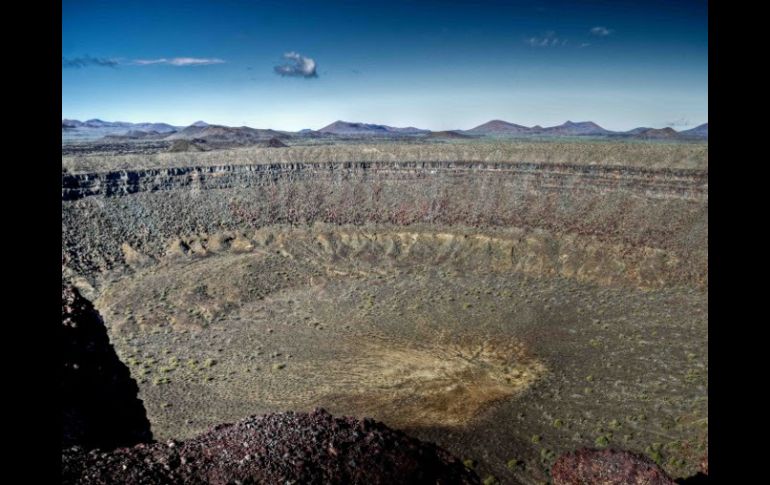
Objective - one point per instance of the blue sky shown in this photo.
(435, 65)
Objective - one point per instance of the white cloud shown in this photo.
(548, 40)
(601, 31)
(179, 61)
(85, 61)
(300, 66)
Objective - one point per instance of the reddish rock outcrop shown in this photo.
(281, 448)
(100, 408)
(607, 467)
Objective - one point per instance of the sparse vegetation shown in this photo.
(547, 456)
(657, 155)
(602, 441)
(160, 380)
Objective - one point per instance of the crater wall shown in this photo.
(109, 218)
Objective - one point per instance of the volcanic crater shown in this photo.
(505, 311)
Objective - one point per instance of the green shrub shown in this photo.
(602, 441)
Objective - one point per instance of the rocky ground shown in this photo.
(607, 467)
(287, 448)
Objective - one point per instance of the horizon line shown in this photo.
(383, 124)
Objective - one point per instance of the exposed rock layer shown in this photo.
(687, 183)
(622, 209)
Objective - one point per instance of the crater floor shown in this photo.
(502, 355)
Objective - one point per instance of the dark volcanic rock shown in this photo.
(607, 467)
(99, 399)
(448, 134)
(184, 146)
(281, 448)
(275, 143)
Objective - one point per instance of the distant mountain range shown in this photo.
(586, 128)
(347, 128)
(96, 123)
(499, 127)
(201, 131)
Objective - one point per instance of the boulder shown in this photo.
(607, 467)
